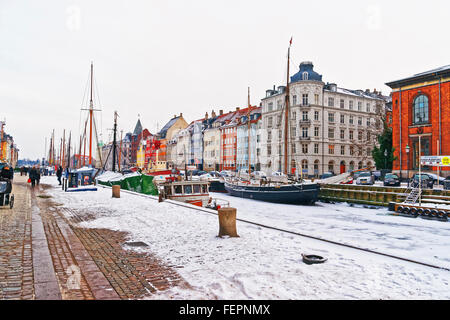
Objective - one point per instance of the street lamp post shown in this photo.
(385, 158)
(407, 163)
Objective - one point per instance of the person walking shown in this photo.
(38, 175)
(33, 175)
(59, 174)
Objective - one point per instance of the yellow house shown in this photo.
(140, 155)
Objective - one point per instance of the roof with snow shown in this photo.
(423, 76)
(162, 133)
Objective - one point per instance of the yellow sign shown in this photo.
(445, 161)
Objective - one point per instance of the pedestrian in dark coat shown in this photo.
(59, 174)
(38, 176)
(33, 175)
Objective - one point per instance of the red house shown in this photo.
(421, 108)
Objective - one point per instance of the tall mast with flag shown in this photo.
(286, 114)
(248, 135)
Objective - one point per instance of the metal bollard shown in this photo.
(227, 222)
(116, 191)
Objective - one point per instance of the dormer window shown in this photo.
(420, 110)
(305, 75)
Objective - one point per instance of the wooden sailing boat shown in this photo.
(293, 192)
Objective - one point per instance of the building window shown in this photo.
(331, 117)
(305, 132)
(420, 110)
(350, 134)
(342, 134)
(294, 100)
(294, 115)
(269, 122)
(305, 99)
(305, 148)
(342, 150)
(350, 120)
(305, 75)
(269, 135)
(305, 115)
(269, 150)
(316, 148)
(330, 133)
(293, 131)
(368, 107)
(360, 134)
(342, 118)
(331, 149)
(316, 98)
(331, 166)
(293, 148)
(352, 150)
(270, 106)
(330, 102)
(279, 103)
(342, 105)
(359, 105)
(350, 104)
(360, 121)
(316, 115)
(316, 131)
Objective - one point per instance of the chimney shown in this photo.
(206, 115)
(220, 112)
(273, 87)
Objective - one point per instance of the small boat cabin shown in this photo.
(193, 192)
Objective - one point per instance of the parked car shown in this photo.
(435, 177)
(391, 179)
(365, 178)
(278, 174)
(226, 173)
(426, 179)
(327, 175)
(259, 174)
(447, 183)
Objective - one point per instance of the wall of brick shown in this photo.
(408, 129)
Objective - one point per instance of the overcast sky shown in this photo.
(160, 58)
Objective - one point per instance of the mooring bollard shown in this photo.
(116, 191)
(227, 222)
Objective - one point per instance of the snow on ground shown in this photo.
(418, 239)
(266, 264)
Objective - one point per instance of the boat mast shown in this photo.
(248, 135)
(114, 143)
(91, 114)
(286, 114)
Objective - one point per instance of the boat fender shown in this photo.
(400, 209)
(427, 212)
(434, 213)
(420, 212)
(413, 211)
(442, 214)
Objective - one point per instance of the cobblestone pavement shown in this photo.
(44, 254)
(16, 265)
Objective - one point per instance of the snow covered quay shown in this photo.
(267, 264)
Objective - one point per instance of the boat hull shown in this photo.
(217, 186)
(290, 194)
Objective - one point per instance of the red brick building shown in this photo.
(421, 107)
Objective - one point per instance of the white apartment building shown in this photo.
(331, 128)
